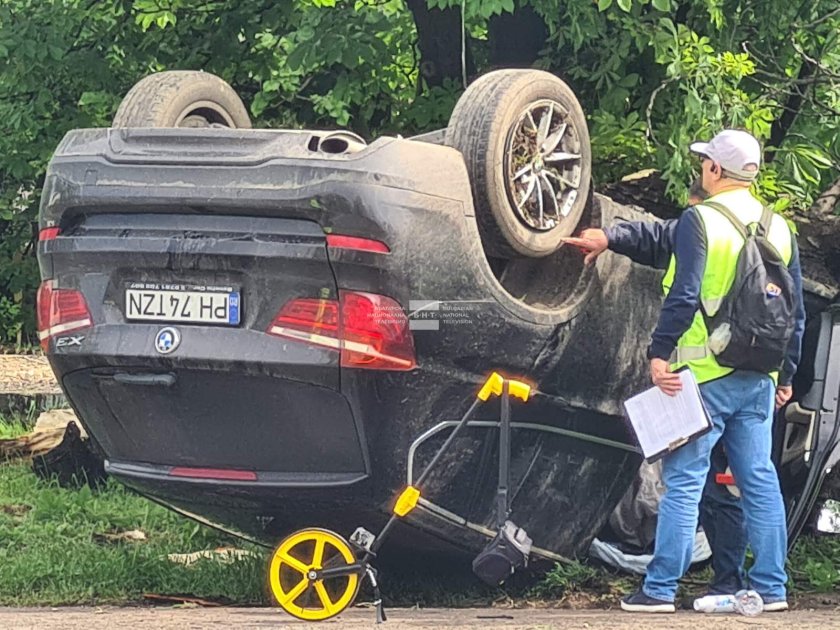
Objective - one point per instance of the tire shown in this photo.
(491, 127)
(182, 98)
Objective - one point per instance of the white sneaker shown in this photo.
(778, 606)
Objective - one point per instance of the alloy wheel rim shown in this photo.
(543, 165)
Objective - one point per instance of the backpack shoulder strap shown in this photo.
(764, 231)
(765, 221)
(735, 221)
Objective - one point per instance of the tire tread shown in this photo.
(145, 103)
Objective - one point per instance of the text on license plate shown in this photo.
(206, 307)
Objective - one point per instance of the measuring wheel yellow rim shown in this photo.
(304, 551)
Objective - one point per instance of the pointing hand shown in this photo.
(591, 241)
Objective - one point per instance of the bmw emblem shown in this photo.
(167, 340)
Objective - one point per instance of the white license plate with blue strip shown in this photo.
(182, 304)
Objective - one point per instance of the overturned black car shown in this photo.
(270, 329)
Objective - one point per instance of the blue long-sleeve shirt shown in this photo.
(653, 244)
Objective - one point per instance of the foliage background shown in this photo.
(652, 75)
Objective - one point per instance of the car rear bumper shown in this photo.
(225, 419)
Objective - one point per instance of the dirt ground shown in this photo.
(437, 619)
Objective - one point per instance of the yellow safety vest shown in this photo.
(723, 245)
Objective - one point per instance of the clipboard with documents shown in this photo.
(663, 423)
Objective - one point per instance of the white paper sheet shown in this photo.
(662, 422)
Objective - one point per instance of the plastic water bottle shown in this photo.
(720, 338)
(715, 604)
(748, 603)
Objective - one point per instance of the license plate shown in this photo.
(185, 304)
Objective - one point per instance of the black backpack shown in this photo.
(752, 327)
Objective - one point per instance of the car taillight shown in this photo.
(308, 319)
(340, 241)
(60, 311)
(371, 331)
(48, 234)
(375, 332)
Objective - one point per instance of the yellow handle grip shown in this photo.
(407, 501)
(519, 390)
(495, 384)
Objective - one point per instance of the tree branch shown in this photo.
(827, 108)
(649, 109)
(788, 81)
(823, 69)
(819, 20)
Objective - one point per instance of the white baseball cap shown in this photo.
(738, 153)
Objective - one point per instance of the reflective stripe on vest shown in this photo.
(684, 354)
(723, 245)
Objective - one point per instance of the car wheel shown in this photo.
(182, 98)
(525, 142)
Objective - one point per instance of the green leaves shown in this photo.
(476, 8)
(650, 78)
(693, 78)
(149, 12)
(806, 163)
(618, 141)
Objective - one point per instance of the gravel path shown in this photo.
(26, 374)
(431, 619)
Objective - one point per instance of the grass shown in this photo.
(814, 564)
(51, 555)
(14, 426)
(16, 423)
(813, 567)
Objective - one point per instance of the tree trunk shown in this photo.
(783, 124)
(439, 41)
(516, 38)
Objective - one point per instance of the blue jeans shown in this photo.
(741, 407)
(723, 521)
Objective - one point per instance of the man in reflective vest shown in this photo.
(703, 256)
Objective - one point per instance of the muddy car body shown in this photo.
(259, 422)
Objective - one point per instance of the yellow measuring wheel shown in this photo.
(294, 574)
(314, 573)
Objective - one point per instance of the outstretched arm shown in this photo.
(647, 243)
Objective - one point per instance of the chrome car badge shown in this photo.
(167, 340)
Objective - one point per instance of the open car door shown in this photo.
(808, 438)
